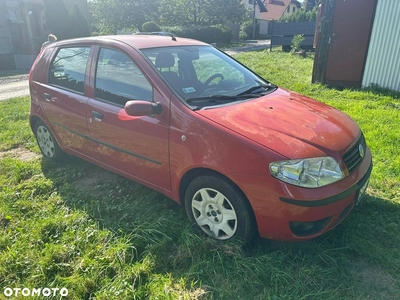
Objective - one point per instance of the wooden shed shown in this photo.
(358, 43)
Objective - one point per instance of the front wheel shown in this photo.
(46, 141)
(219, 209)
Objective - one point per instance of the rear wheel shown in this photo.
(219, 209)
(46, 141)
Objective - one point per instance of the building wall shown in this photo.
(21, 26)
(383, 60)
(249, 5)
(5, 38)
(26, 33)
(290, 9)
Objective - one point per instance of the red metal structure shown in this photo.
(342, 42)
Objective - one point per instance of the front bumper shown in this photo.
(290, 213)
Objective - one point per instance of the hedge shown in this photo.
(208, 34)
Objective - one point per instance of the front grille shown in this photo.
(352, 158)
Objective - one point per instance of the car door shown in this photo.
(63, 99)
(134, 146)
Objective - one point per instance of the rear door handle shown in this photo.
(97, 115)
(47, 96)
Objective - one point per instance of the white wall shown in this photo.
(5, 39)
(250, 7)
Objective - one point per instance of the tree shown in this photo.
(108, 16)
(221, 11)
(56, 15)
(173, 12)
(64, 24)
(78, 23)
(150, 27)
(200, 12)
(311, 4)
(300, 16)
(112, 15)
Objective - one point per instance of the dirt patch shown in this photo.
(92, 180)
(4, 220)
(376, 281)
(20, 153)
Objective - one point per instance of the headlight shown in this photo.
(310, 172)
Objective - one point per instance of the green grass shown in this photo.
(77, 226)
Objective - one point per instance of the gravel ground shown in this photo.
(13, 78)
(14, 86)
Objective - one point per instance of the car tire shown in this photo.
(46, 142)
(219, 209)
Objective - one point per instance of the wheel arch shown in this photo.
(197, 172)
(33, 120)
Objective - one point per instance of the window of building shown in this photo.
(118, 79)
(288, 9)
(294, 9)
(12, 13)
(68, 68)
(12, 10)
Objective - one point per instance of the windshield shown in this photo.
(204, 74)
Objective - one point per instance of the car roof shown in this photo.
(136, 41)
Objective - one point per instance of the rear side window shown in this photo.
(118, 79)
(68, 68)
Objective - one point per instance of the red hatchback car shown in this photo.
(181, 117)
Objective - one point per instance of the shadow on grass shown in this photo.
(380, 91)
(341, 263)
(373, 88)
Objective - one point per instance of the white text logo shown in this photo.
(26, 292)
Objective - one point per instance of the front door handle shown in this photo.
(47, 96)
(97, 115)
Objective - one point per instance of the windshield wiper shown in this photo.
(214, 98)
(264, 87)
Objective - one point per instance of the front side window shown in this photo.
(118, 79)
(68, 68)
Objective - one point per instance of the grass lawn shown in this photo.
(76, 226)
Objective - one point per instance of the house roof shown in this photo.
(276, 8)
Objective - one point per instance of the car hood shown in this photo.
(288, 123)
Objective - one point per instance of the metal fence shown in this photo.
(282, 33)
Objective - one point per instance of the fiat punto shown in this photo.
(242, 155)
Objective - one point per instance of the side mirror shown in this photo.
(142, 108)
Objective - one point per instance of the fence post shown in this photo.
(272, 35)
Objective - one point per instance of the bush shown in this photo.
(209, 34)
(301, 16)
(246, 30)
(150, 27)
(296, 43)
